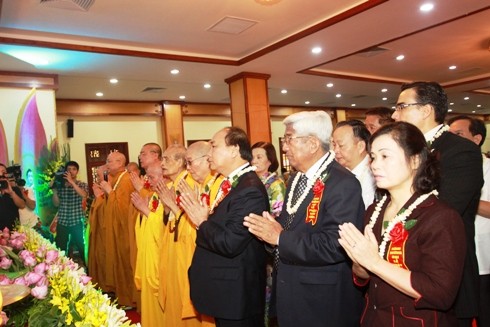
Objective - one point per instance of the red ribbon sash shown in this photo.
(396, 253)
(313, 207)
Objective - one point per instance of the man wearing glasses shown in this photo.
(424, 104)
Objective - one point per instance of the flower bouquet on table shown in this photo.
(62, 294)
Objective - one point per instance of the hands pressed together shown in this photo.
(265, 227)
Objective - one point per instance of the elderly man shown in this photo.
(474, 130)
(424, 104)
(110, 237)
(349, 142)
(227, 275)
(377, 117)
(149, 237)
(312, 283)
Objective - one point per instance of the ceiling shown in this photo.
(139, 42)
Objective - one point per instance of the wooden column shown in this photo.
(250, 105)
(173, 125)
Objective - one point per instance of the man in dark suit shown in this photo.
(424, 104)
(227, 274)
(312, 279)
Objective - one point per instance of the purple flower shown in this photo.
(5, 263)
(40, 292)
(51, 256)
(32, 278)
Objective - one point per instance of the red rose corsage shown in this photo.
(318, 187)
(225, 187)
(205, 198)
(154, 204)
(398, 233)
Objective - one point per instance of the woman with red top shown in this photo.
(412, 251)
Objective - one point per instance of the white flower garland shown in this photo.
(443, 129)
(402, 217)
(292, 209)
(219, 196)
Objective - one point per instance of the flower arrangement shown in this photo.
(62, 294)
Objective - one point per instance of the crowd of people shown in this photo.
(383, 223)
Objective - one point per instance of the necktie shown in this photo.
(297, 192)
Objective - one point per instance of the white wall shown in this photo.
(203, 128)
(136, 130)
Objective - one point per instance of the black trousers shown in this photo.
(254, 321)
(484, 313)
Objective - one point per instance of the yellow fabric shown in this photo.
(148, 232)
(176, 257)
(97, 251)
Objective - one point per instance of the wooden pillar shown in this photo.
(173, 125)
(250, 105)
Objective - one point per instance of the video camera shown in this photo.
(14, 173)
(59, 177)
(4, 181)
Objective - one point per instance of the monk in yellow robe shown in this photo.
(179, 237)
(117, 234)
(149, 236)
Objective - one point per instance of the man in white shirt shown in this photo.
(349, 142)
(474, 130)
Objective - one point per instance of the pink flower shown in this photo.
(84, 279)
(20, 281)
(2, 252)
(32, 278)
(17, 243)
(41, 268)
(40, 292)
(4, 318)
(277, 208)
(6, 232)
(43, 281)
(51, 256)
(41, 251)
(3, 241)
(5, 263)
(28, 258)
(4, 280)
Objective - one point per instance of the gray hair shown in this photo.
(312, 123)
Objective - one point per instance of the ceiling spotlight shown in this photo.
(284, 91)
(451, 103)
(307, 102)
(473, 111)
(452, 67)
(400, 57)
(478, 105)
(316, 50)
(338, 95)
(99, 94)
(384, 90)
(207, 86)
(330, 85)
(384, 99)
(113, 80)
(450, 110)
(426, 7)
(182, 97)
(174, 71)
(466, 98)
(353, 105)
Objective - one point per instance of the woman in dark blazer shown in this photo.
(413, 248)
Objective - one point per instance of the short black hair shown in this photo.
(72, 163)
(237, 136)
(359, 129)
(477, 126)
(430, 93)
(384, 114)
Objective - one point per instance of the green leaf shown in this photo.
(410, 223)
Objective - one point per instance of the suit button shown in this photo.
(374, 307)
(375, 285)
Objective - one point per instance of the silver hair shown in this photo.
(312, 123)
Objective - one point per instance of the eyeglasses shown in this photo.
(401, 106)
(286, 139)
(190, 161)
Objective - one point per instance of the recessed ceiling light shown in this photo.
(452, 67)
(426, 7)
(338, 95)
(466, 98)
(113, 80)
(307, 102)
(207, 86)
(451, 103)
(478, 105)
(284, 91)
(99, 94)
(316, 50)
(450, 110)
(400, 57)
(34, 84)
(473, 111)
(384, 90)
(174, 71)
(384, 99)
(330, 85)
(353, 105)
(182, 97)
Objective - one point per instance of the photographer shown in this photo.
(68, 195)
(11, 200)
